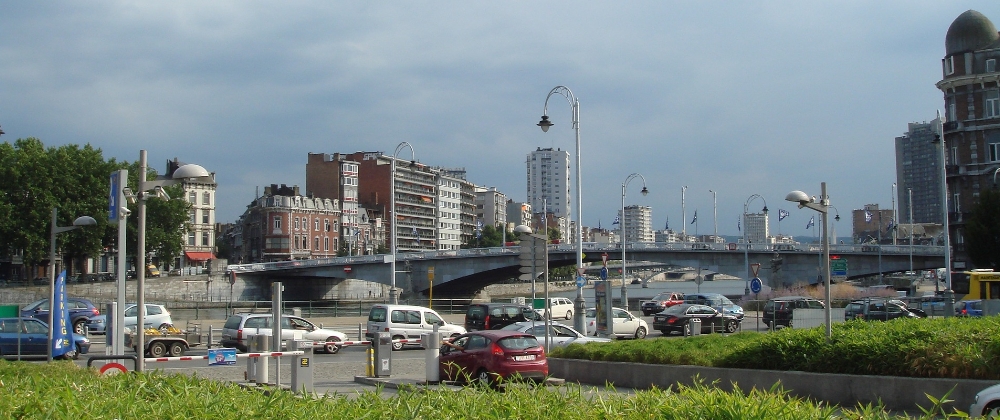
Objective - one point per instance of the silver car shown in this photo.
(156, 316)
(560, 334)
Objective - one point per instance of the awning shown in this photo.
(199, 256)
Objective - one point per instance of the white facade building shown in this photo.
(757, 230)
(449, 212)
(638, 223)
(548, 180)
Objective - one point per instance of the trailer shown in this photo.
(165, 342)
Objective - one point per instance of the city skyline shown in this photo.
(743, 99)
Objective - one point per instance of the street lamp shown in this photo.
(684, 232)
(823, 207)
(894, 220)
(715, 216)
(155, 187)
(80, 221)
(746, 241)
(622, 227)
(393, 292)
(578, 319)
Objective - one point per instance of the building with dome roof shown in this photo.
(971, 126)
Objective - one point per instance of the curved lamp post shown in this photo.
(79, 222)
(622, 227)
(823, 207)
(578, 320)
(147, 187)
(746, 243)
(393, 292)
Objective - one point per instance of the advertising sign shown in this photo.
(221, 357)
(600, 292)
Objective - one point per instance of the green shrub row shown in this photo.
(61, 390)
(932, 348)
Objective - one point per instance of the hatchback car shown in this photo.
(33, 336)
(561, 308)
(716, 301)
(876, 309)
(240, 328)
(969, 308)
(493, 356)
(678, 318)
(559, 334)
(625, 324)
(778, 311)
(156, 316)
(986, 403)
(80, 310)
(494, 316)
(661, 301)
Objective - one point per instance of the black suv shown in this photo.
(877, 309)
(494, 316)
(778, 311)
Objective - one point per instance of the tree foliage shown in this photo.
(982, 231)
(491, 236)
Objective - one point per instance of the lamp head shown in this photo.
(798, 197)
(836, 218)
(190, 171)
(644, 190)
(764, 210)
(545, 123)
(522, 229)
(84, 221)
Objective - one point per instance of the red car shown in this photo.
(661, 301)
(493, 356)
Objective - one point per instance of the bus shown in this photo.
(976, 284)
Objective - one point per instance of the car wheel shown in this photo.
(640, 333)
(177, 349)
(665, 332)
(484, 377)
(790, 323)
(331, 348)
(79, 326)
(731, 327)
(992, 410)
(396, 346)
(569, 315)
(157, 349)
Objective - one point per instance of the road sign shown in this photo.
(838, 269)
(754, 269)
(604, 258)
(604, 273)
(581, 270)
(580, 281)
(113, 368)
(755, 285)
(430, 273)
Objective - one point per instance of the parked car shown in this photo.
(33, 335)
(561, 307)
(240, 328)
(494, 316)
(876, 309)
(407, 322)
(986, 403)
(778, 311)
(661, 301)
(156, 316)
(969, 308)
(559, 334)
(625, 324)
(80, 310)
(678, 317)
(152, 271)
(492, 356)
(716, 301)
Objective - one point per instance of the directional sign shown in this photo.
(838, 269)
(755, 285)
(580, 281)
(604, 273)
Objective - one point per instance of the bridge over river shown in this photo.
(463, 273)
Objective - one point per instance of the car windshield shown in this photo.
(662, 296)
(519, 342)
(591, 313)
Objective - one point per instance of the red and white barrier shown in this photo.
(238, 356)
(356, 343)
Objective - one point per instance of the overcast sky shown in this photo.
(741, 98)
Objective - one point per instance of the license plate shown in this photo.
(524, 358)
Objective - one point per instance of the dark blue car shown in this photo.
(969, 308)
(34, 339)
(80, 310)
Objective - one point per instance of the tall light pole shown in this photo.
(578, 320)
(746, 241)
(622, 227)
(80, 221)
(156, 188)
(949, 293)
(823, 207)
(393, 292)
(715, 217)
(894, 219)
(909, 206)
(684, 232)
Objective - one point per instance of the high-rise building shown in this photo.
(637, 223)
(335, 177)
(757, 229)
(491, 206)
(918, 170)
(449, 212)
(548, 181)
(971, 88)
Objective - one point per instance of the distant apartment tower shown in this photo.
(757, 229)
(971, 88)
(491, 206)
(449, 212)
(548, 180)
(335, 176)
(637, 223)
(199, 239)
(918, 170)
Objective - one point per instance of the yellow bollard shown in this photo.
(370, 366)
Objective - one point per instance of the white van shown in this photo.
(407, 322)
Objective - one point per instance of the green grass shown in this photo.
(61, 390)
(933, 348)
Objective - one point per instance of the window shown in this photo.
(206, 198)
(992, 107)
(952, 113)
(204, 217)
(194, 214)
(316, 243)
(191, 238)
(991, 65)
(316, 225)
(949, 65)
(326, 244)
(193, 197)
(296, 223)
(204, 238)
(994, 152)
(326, 224)
(277, 222)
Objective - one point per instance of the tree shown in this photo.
(982, 231)
(489, 237)
(554, 233)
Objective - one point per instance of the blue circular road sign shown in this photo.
(580, 281)
(755, 285)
